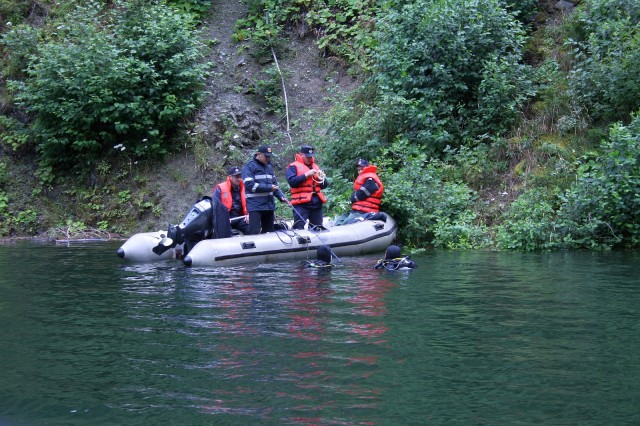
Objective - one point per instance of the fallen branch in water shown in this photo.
(70, 233)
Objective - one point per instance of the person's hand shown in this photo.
(287, 202)
(274, 188)
(310, 173)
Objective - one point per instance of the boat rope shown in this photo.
(284, 89)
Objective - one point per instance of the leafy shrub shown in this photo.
(427, 209)
(525, 10)
(529, 223)
(450, 71)
(195, 7)
(603, 208)
(348, 135)
(19, 44)
(124, 76)
(605, 77)
(344, 28)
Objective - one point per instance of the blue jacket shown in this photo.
(258, 180)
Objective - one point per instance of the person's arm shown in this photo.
(369, 187)
(217, 194)
(293, 178)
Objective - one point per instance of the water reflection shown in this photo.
(272, 331)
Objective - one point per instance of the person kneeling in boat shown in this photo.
(366, 197)
(394, 261)
(323, 258)
(231, 194)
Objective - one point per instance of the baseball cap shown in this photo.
(362, 162)
(307, 150)
(233, 171)
(266, 150)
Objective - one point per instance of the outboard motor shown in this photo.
(196, 226)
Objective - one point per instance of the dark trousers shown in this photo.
(241, 226)
(261, 221)
(304, 212)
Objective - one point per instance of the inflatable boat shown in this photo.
(192, 241)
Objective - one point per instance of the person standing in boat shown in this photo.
(231, 193)
(261, 190)
(367, 193)
(307, 182)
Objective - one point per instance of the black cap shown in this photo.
(362, 162)
(307, 150)
(266, 150)
(233, 171)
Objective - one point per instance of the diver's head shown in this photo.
(323, 253)
(392, 252)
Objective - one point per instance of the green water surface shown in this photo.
(467, 338)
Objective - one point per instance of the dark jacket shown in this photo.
(258, 180)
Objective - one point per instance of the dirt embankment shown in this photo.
(234, 115)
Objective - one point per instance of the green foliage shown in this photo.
(603, 208)
(3, 173)
(428, 209)
(19, 45)
(476, 166)
(344, 27)
(270, 88)
(530, 222)
(13, 134)
(195, 7)
(13, 11)
(449, 71)
(525, 10)
(124, 76)
(348, 136)
(605, 78)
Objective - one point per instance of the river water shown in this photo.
(467, 338)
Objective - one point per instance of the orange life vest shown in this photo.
(227, 197)
(371, 203)
(302, 194)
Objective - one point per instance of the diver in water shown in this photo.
(323, 259)
(394, 261)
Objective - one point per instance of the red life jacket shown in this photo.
(227, 197)
(302, 194)
(372, 203)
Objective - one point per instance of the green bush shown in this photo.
(427, 209)
(449, 71)
(605, 78)
(19, 44)
(529, 223)
(122, 77)
(603, 208)
(344, 28)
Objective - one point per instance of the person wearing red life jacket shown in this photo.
(307, 182)
(367, 194)
(231, 194)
